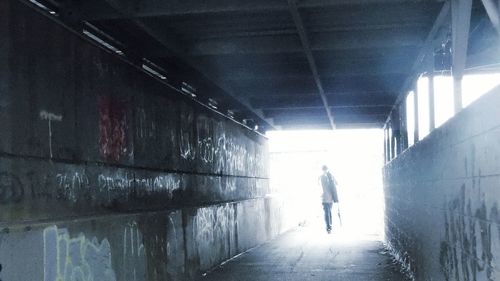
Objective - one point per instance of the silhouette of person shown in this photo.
(329, 196)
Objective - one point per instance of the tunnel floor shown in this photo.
(309, 254)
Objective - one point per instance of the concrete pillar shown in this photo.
(457, 94)
(396, 129)
(415, 116)
(460, 23)
(403, 127)
(392, 142)
(386, 144)
(432, 110)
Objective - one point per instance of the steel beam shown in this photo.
(345, 118)
(416, 122)
(314, 110)
(154, 8)
(338, 76)
(492, 9)
(432, 109)
(297, 19)
(460, 25)
(213, 32)
(320, 42)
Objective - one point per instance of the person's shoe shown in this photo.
(328, 231)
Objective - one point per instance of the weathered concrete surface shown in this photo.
(126, 247)
(303, 255)
(442, 197)
(109, 174)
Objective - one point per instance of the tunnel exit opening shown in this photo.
(355, 157)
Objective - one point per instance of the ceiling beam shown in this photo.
(493, 11)
(353, 72)
(310, 59)
(273, 113)
(310, 100)
(326, 125)
(210, 32)
(154, 8)
(344, 118)
(319, 42)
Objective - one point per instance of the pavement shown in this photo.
(310, 254)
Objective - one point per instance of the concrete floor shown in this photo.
(309, 254)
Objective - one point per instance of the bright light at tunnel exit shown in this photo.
(355, 157)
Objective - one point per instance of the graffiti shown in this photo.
(112, 128)
(69, 185)
(186, 138)
(220, 147)
(236, 155)
(114, 183)
(11, 188)
(146, 128)
(133, 254)
(50, 117)
(205, 142)
(230, 185)
(211, 228)
(75, 259)
(206, 149)
(470, 235)
(144, 186)
(186, 147)
(159, 184)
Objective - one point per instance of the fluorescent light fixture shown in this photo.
(212, 103)
(188, 89)
(43, 7)
(95, 34)
(153, 72)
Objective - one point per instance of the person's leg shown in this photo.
(327, 209)
(329, 216)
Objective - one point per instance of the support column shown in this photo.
(403, 126)
(391, 138)
(396, 129)
(386, 140)
(432, 112)
(460, 25)
(457, 93)
(415, 106)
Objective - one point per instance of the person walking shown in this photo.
(329, 196)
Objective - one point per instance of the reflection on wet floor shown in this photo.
(309, 253)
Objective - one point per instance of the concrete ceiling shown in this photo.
(288, 64)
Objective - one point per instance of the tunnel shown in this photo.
(135, 138)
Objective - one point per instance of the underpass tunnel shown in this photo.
(184, 140)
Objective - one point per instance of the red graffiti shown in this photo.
(112, 128)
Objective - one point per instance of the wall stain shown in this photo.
(11, 188)
(112, 128)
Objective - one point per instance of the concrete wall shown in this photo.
(442, 198)
(108, 174)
